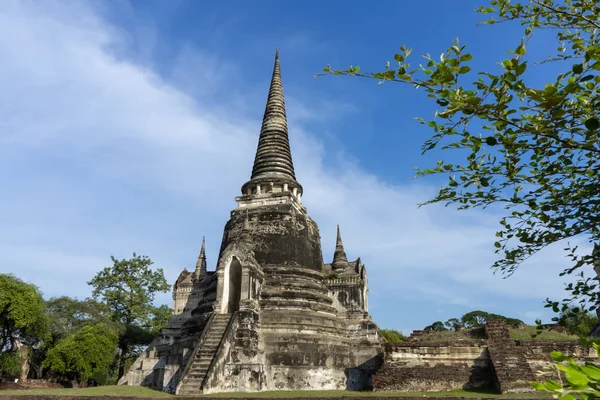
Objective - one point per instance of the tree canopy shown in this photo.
(68, 315)
(470, 320)
(531, 149)
(577, 322)
(84, 353)
(22, 313)
(477, 318)
(437, 326)
(128, 288)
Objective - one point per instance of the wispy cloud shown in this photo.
(100, 155)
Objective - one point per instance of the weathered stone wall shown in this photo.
(537, 352)
(434, 366)
(509, 364)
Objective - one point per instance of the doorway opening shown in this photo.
(234, 281)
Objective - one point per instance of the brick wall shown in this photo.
(414, 366)
(463, 364)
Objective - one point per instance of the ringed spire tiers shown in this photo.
(340, 260)
(201, 263)
(273, 160)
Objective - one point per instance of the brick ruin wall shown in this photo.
(464, 364)
(420, 366)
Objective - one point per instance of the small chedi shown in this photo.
(273, 315)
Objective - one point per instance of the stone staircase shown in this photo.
(194, 379)
(513, 373)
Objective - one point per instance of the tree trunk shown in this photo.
(122, 359)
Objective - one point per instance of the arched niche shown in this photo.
(232, 287)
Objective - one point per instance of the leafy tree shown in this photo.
(160, 318)
(68, 315)
(81, 355)
(577, 322)
(22, 314)
(128, 288)
(10, 363)
(392, 336)
(475, 319)
(437, 326)
(453, 324)
(532, 149)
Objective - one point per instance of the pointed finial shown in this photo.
(273, 159)
(340, 261)
(201, 263)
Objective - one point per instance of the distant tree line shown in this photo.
(471, 320)
(83, 342)
(573, 320)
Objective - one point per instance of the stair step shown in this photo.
(205, 355)
(202, 363)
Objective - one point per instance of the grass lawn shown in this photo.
(528, 330)
(515, 333)
(137, 391)
(142, 392)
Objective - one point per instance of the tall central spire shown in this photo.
(273, 155)
(273, 169)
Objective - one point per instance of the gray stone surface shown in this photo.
(272, 316)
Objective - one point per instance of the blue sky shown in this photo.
(131, 126)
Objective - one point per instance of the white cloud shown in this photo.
(102, 156)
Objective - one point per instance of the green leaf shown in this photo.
(538, 386)
(568, 396)
(491, 141)
(586, 78)
(557, 356)
(577, 68)
(552, 385)
(576, 378)
(521, 68)
(466, 57)
(464, 69)
(591, 371)
(592, 124)
(588, 396)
